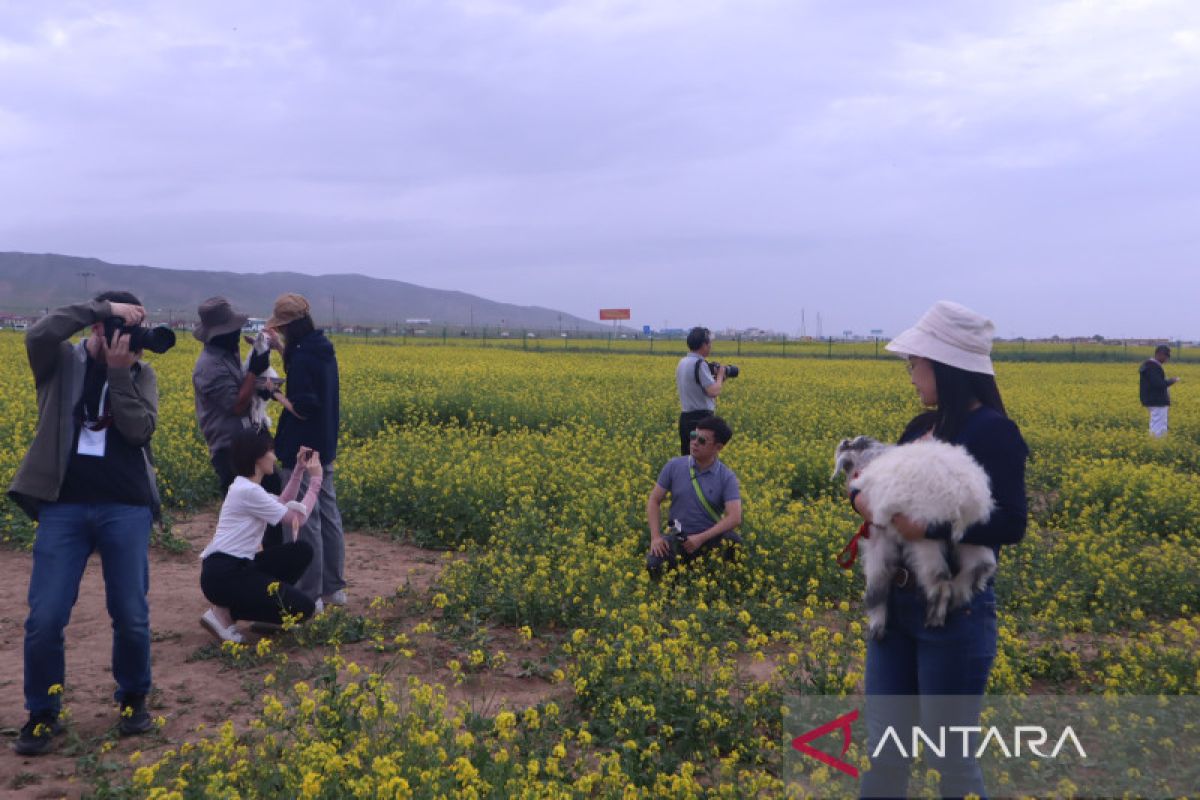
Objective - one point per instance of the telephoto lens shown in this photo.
(156, 340)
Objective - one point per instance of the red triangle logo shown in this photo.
(801, 743)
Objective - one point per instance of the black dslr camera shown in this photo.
(156, 340)
(730, 370)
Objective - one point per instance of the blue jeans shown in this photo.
(67, 535)
(914, 660)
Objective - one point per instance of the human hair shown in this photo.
(719, 427)
(293, 332)
(1162, 350)
(697, 336)
(249, 445)
(957, 390)
(117, 296)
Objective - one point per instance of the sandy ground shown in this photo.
(191, 691)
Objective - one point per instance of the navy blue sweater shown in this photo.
(995, 442)
(312, 387)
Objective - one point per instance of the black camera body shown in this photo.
(156, 340)
(730, 370)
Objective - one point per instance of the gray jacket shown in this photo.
(58, 370)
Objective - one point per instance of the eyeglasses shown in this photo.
(698, 438)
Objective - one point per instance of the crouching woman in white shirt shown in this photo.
(235, 575)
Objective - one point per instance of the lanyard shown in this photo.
(101, 420)
(699, 494)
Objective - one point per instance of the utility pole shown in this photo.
(333, 301)
(86, 276)
(803, 326)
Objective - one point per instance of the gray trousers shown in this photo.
(324, 535)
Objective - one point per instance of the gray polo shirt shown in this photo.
(216, 380)
(718, 483)
(691, 394)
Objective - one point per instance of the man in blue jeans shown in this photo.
(88, 481)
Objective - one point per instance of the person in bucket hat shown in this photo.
(224, 390)
(949, 360)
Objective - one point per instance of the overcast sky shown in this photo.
(702, 162)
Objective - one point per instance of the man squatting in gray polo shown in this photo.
(699, 529)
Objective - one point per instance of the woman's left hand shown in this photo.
(906, 527)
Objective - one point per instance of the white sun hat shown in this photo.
(952, 334)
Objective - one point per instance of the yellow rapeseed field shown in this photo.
(536, 465)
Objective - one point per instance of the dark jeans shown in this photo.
(924, 663)
(687, 424)
(67, 535)
(241, 584)
(222, 463)
(727, 542)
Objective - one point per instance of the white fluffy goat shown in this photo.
(931, 482)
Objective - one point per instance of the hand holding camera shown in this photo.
(309, 459)
(128, 312)
(117, 353)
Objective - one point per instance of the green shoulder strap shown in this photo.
(700, 495)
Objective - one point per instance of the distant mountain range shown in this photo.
(30, 283)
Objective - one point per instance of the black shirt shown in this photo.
(120, 476)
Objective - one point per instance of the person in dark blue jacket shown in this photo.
(313, 390)
(1154, 389)
(912, 668)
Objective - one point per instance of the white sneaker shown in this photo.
(218, 631)
(338, 598)
(320, 607)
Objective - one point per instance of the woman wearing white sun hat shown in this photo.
(949, 358)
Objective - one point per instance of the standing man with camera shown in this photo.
(698, 385)
(87, 480)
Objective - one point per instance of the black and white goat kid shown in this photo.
(266, 386)
(931, 482)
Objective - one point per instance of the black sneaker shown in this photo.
(135, 719)
(37, 733)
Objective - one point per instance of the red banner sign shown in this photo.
(614, 313)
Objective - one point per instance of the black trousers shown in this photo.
(240, 584)
(222, 463)
(687, 424)
(726, 544)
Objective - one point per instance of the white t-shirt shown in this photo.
(247, 511)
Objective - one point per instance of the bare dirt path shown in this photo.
(188, 691)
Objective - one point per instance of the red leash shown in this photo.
(847, 561)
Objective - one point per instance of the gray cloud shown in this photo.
(719, 162)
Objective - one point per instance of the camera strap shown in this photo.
(696, 372)
(700, 495)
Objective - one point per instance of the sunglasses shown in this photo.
(698, 438)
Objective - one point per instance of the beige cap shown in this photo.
(952, 334)
(288, 308)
